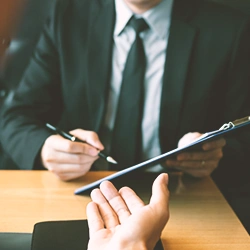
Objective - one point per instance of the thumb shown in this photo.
(89, 137)
(160, 196)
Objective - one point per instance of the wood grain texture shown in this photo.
(200, 217)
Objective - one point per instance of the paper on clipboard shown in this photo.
(227, 128)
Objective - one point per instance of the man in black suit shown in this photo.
(197, 78)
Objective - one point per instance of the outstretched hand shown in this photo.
(121, 220)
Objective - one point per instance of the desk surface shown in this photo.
(200, 217)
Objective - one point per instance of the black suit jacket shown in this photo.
(206, 80)
(23, 34)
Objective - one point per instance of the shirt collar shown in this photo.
(158, 18)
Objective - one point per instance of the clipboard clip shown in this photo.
(235, 123)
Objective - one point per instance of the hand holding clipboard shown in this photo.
(203, 160)
(223, 131)
(198, 162)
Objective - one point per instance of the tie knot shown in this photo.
(138, 24)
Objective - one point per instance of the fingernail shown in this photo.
(166, 178)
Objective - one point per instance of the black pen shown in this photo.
(73, 138)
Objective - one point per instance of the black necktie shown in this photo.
(126, 142)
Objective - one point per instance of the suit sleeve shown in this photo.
(35, 101)
(233, 169)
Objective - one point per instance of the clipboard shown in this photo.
(224, 130)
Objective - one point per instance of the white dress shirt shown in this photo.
(155, 42)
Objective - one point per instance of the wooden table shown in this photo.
(200, 217)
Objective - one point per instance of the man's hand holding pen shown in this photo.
(69, 159)
(198, 163)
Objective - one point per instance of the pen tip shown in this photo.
(111, 160)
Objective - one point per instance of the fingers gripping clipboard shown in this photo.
(223, 131)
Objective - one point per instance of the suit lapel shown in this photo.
(99, 57)
(180, 45)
